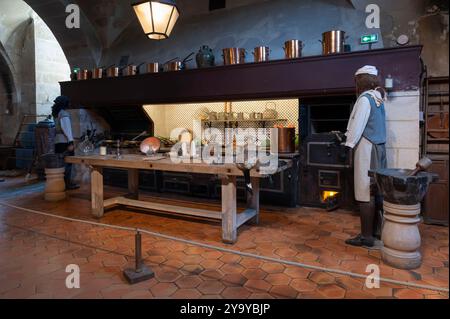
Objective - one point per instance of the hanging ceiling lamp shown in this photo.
(157, 18)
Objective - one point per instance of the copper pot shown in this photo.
(293, 49)
(233, 56)
(174, 66)
(333, 42)
(152, 67)
(112, 72)
(84, 75)
(97, 73)
(286, 140)
(129, 70)
(261, 54)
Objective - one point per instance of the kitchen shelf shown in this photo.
(244, 121)
(287, 78)
(330, 120)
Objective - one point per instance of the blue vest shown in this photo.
(375, 130)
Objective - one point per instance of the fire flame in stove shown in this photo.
(328, 194)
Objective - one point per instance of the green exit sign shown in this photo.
(371, 38)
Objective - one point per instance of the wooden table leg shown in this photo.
(97, 192)
(253, 200)
(133, 183)
(229, 211)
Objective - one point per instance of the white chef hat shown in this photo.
(367, 69)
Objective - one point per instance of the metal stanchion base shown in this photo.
(134, 277)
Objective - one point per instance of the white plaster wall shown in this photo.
(403, 132)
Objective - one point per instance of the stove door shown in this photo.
(328, 154)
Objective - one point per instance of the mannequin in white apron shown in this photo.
(366, 134)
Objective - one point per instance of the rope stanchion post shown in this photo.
(141, 272)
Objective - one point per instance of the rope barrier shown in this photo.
(231, 251)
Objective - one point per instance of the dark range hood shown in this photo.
(126, 122)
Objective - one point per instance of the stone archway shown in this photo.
(32, 63)
(8, 92)
(82, 47)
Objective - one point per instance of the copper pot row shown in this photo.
(114, 72)
(292, 48)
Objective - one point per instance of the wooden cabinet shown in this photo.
(435, 207)
(435, 146)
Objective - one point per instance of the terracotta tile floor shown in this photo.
(35, 250)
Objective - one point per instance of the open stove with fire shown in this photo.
(326, 172)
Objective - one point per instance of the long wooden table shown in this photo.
(231, 219)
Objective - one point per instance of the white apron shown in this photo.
(363, 156)
(367, 156)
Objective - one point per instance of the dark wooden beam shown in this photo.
(309, 76)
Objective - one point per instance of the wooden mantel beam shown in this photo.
(308, 76)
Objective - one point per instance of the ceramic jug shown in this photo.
(205, 57)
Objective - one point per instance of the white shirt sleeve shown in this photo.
(66, 127)
(358, 121)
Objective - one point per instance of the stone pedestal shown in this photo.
(55, 187)
(400, 236)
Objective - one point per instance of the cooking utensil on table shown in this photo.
(333, 42)
(261, 54)
(233, 56)
(248, 164)
(421, 165)
(293, 49)
(150, 146)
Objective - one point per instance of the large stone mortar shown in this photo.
(402, 197)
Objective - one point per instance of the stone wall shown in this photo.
(35, 61)
(51, 66)
(18, 59)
